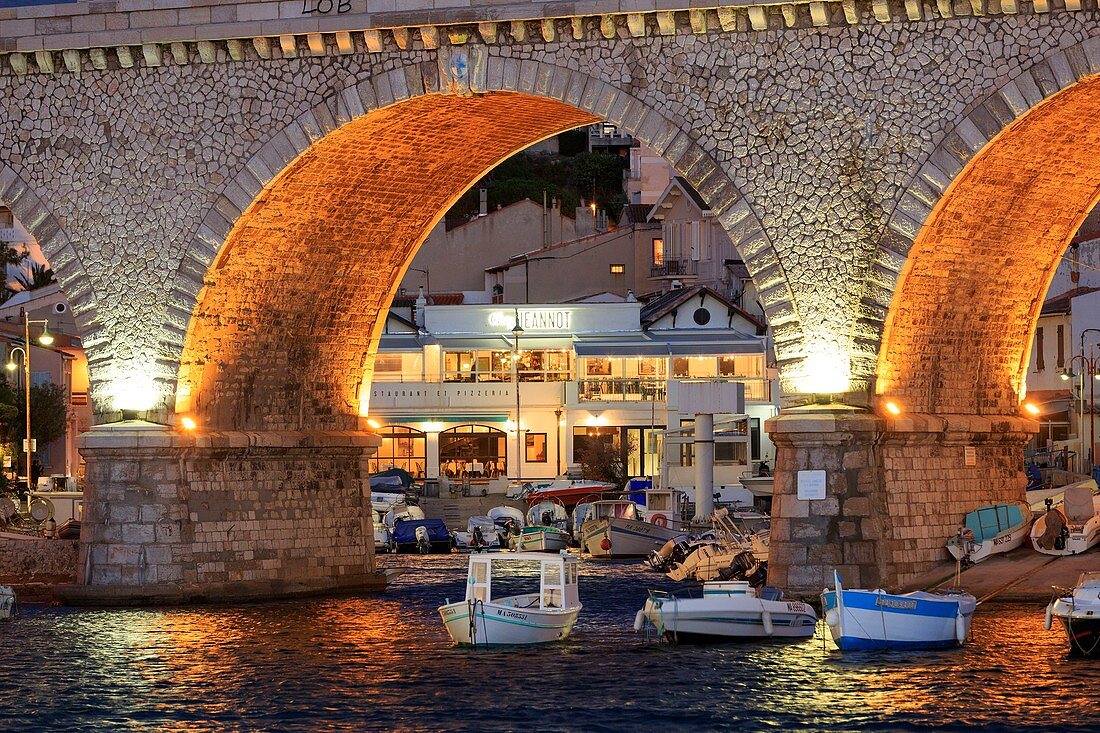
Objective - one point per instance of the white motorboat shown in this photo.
(545, 530)
(874, 619)
(568, 491)
(1071, 527)
(480, 535)
(727, 611)
(547, 614)
(614, 529)
(991, 530)
(1078, 609)
(382, 536)
(7, 603)
(760, 486)
(508, 522)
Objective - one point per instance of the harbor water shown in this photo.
(385, 662)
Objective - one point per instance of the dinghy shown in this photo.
(7, 603)
(1078, 609)
(536, 617)
(874, 619)
(727, 611)
(990, 530)
(545, 530)
(1071, 527)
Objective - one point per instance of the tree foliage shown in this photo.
(35, 277)
(602, 460)
(49, 414)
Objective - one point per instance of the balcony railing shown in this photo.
(621, 390)
(674, 268)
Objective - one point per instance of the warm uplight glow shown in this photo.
(510, 425)
(134, 392)
(825, 371)
(892, 408)
(374, 424)
(188, 423)
(597, 420)
(1031, 409)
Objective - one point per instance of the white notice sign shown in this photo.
(811, 485)
(970, 453)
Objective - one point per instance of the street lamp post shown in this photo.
(517, 331)
(45, 339)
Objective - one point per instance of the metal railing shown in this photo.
(674, 267)
(621, 390)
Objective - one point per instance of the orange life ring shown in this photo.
(660, 520)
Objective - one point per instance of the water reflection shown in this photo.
(386, 663)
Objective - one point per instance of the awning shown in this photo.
(620, 348)
(474, 343)
(463, 419)
(713, 349)
(399, 342)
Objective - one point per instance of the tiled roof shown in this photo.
(1061, 303)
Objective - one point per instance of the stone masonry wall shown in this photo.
(225, 515)
(35, 560)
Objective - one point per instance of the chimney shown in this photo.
(484, 210)
(421, 303)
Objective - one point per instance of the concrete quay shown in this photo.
(1020, 576)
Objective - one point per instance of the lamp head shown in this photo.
(1064, 376)
(46, 338)
(10, 366)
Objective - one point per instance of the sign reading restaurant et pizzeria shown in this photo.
(534, 319)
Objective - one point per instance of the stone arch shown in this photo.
(71, 273)
(977, 236)
(556, 98)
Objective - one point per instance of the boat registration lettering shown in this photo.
(797, 607)
(895, 603)
(511, 614)
(449, 612)
(1002, 540)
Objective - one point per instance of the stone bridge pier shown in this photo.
(229, 194)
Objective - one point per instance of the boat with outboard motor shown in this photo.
(726, 611)
(536, 617)
(615, 529)
(545, 530)
(874, 619)
(565, 490)
(1071, 527)
(1078, 609)
(7, 603)
(991, 530)
(480, 535)
(732, 537)
(508, 522)
(425, 536)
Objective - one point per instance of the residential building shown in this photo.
(444, 389)
(647, 177)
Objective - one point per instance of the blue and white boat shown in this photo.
(874, 619)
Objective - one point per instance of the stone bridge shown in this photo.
(229, 193)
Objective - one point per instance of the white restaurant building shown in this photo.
(443, 394)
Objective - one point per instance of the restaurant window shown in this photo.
(1040, 362)
(473, 451)
(658, 251)
(477, 366)
(584, 439)
(536, 448)
(747, 365)
(694, 367)
(398, 367)
(402, 447)
(618, 269)
(597, 367)
(546, 365)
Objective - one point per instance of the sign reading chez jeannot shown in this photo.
(535, 319)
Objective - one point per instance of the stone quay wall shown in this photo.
(225, 515)
(896, 491)
(37, 560)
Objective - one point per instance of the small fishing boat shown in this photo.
(508, 522)
(536, 617)
(1078, 609)
(1071, 527)
(545, 530)
(382, 538)
(874, 619)
(480, 535)
(425, 536)
(990, 530)
(614, 529)
(7, 603)
(727, 611)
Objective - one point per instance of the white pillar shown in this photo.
(704, 467)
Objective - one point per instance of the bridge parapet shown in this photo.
(74, 36)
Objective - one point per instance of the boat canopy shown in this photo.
(618, 509)
(990, 521)
(557, 576)
(404, 531)
(1078, 504)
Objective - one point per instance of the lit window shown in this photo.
(618, 269)
(658, 251)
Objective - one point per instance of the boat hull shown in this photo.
(1076, 542)
(477, 624)
(876, 620)
(623, 537)
(542, 540)
(975, 552)
(1081, 623)
(705, 619)
(7, 603)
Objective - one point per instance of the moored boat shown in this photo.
(545, 530)
(1071, 527)
(508, 522)
(991, 530)
(1078, 609)
(536, 617)
(874, 619)
(480, 535)
(614, 529)
(716, 559)
(567, 491)
(7, 603)
(426, 536)
(727, 611)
